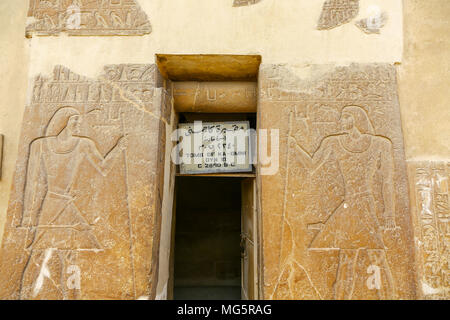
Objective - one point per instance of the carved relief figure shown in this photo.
(56, 227)
(354, 226)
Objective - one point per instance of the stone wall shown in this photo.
(393, 72)
(86, 201)
(336, 218)
(289, 36)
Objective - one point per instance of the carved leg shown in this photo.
(345, 279)
(378, 258)
(24, 292)
(41, 276)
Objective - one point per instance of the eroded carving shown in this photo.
(430, 187)
(56, 225)
(243, 3)
(84, 184)
(344, 222)
(359, 153)
(337, 12)
(87, 17)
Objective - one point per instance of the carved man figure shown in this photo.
(353, 226)
(56, 227)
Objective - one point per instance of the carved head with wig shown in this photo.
(65, 118)
(356, 117)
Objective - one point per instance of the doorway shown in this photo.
(213, 250)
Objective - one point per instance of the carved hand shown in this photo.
(389, 223)
(123, 143)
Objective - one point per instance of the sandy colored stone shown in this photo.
(336, 219)
(424, 76)
(209, 67)
(211, 97)
(87, 18)
(337, 12)
(429, 185)
(86, 199)
(422, 79)
(243, 3)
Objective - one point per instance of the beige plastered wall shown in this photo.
(281, 31)
(14, 58)
(424, 80)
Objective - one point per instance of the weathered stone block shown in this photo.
(430, 204)
(336, 218)
(87, 18)
(84, 214)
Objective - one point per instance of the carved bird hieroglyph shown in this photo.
(100, 20)
(116, 20)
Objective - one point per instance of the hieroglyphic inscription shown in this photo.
(337, 12)
(242, 3)
(86, 188)
(430, 185)
(343, 230)
(87, 17)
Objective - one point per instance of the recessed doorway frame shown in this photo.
(219, 68)
(254, 240)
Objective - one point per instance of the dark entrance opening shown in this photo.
(207, 253)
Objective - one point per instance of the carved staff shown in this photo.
(125, 157)
(286, 185)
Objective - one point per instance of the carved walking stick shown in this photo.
(125, 157)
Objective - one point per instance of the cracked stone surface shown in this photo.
(83, 219)
(429, 185)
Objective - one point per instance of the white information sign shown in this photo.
(214, 147)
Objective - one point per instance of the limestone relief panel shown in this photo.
(87, 17)
(83, 217)
(243, 3)
(337, 12)
(429, 183)
(336, 219)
